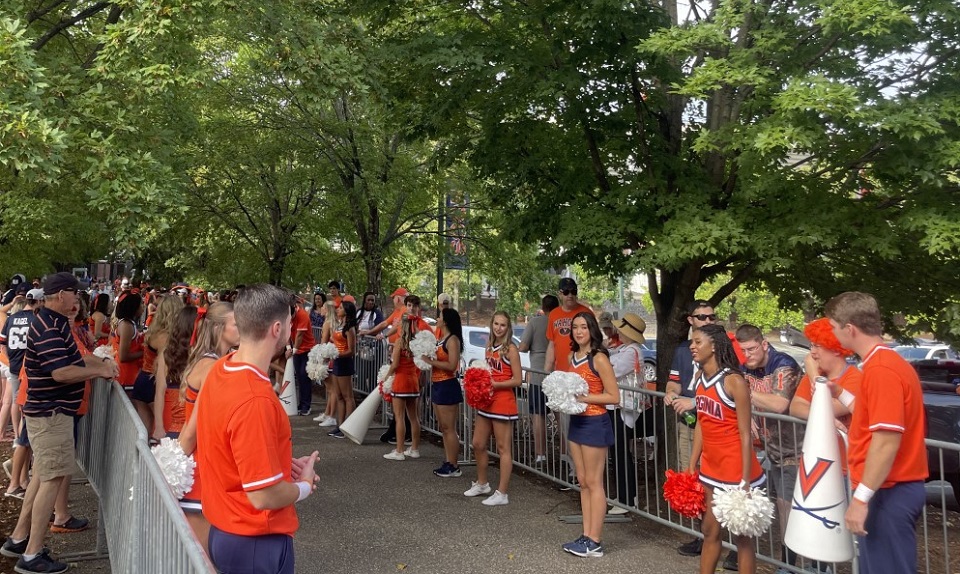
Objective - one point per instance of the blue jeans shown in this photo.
(304, 384)
(890, 545)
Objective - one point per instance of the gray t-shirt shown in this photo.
(535, 335)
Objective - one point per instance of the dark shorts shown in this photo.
(234, 554)
(343, 367)
(23, 438)
(144, 387)
(446, 392)
(536, 400)
(591, 430)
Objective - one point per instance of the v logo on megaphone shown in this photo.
(808, 482)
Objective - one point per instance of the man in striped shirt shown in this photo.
(55, 377)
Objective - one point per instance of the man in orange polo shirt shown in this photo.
(251, 480)
(887, 455)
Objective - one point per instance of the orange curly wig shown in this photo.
(820, 333)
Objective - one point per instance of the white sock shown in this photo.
(28, 557)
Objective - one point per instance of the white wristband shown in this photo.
(305, 489)
(846, 398)
(863, 493)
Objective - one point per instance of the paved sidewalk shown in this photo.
(375, 515)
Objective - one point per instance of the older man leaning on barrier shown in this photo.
(56, 373)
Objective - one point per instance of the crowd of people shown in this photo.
(201, 368)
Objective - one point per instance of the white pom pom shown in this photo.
(328, 351)
(743, 513)
(478, 364)
(562, 389)
(104, 352)
(423, 343)
(177, 467)
(387, 382)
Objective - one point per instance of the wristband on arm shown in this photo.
(846, 398)
(305, 489)
(863, 493)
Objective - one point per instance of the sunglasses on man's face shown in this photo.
(705, 317)
(568, 291)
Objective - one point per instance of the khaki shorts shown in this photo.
(684, 445)
(52, 441)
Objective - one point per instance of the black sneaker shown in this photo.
(336, 434)
(41, 563)
(11, 550)
(692, 548)
(406, 442)
(731, 562)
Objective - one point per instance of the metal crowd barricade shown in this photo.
(648, 461)
(140, 521)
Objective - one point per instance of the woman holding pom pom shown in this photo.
(722, 441)
(446, 393)
(503, 358)
(405, 391)
(215, 334)
(591, 433)
(345, 338)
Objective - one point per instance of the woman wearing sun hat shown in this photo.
(627, 365)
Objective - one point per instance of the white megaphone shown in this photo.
(356, 425)
(288, 389)
(816, 527)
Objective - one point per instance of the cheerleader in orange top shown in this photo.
(154, 343)
(345, 338)
(127, 339)
(100, 319)
(591, 433)
(503, 358)
(406, 391)
(722, 442)
(215, 334)
(445, 391)
(168, 406)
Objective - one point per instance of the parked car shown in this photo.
(475, 344)
(921, 352)
(649, 361)
(940, 380)
(793, 336)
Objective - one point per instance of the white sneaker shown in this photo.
(394, 455)
(412, 452)
(617, 511)
(476, 489)
(496, 499)
(320, 418)
(329, 422)
(541, 458)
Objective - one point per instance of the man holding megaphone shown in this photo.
(887, 455)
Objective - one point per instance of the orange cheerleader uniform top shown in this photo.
(406, 377)
(504, 405)
(128, 369)
(340, 340)
(584, 368)
(439, 375)
(721, 462)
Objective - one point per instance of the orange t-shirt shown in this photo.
(849, 381)
(394, 320)
(558, 331)
(890, 399)
(243, 445)
(301, 324)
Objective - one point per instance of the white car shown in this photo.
(475, 345)
(920, 352)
